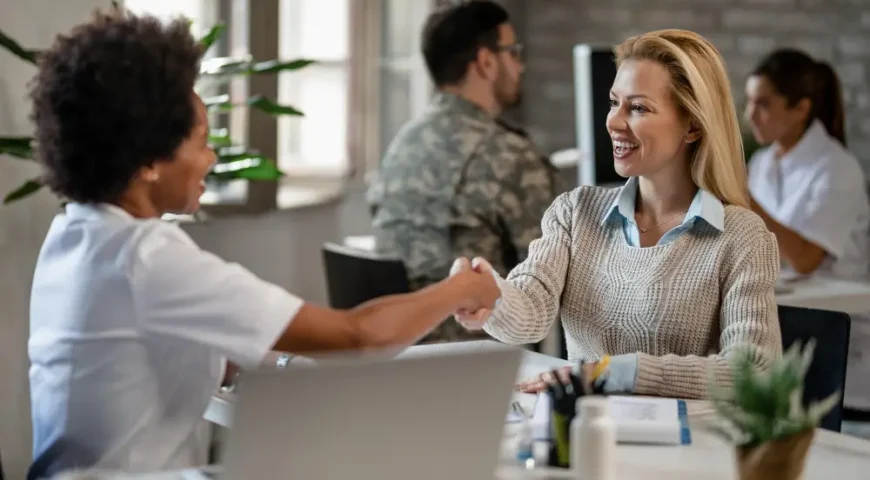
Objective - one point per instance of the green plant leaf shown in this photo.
(819, 409)
(785, 427)
(274, 66)
(212, 35)
(20, 147)
(230, 66)
(766, 404)
(27, 188)
(248, 166)
(219, 137)
(16, 49)
(231, 153)
(221, 103)
(265, 105)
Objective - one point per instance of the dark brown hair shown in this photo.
(796, 76)
(453, 35)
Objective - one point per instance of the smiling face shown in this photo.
(180, 181)
(650, 132)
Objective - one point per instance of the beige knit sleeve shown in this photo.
(531, 293)
(748, 319)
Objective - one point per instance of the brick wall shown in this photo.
(743, 30)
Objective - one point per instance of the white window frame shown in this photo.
(421, 87)
(365, 64)
(290, 128)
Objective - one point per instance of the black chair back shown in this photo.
(354, 277)
(827, 372)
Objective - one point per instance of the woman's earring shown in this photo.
(153, 176)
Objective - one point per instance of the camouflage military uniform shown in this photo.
(457, 182)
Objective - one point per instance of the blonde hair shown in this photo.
(702, 89)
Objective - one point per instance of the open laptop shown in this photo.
(425, 417)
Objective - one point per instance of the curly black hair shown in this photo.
(110, 97)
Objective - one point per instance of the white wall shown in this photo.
(22, 226)
(283, 247)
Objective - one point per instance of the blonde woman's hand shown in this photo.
(540, 382)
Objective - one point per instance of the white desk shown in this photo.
(832, 455)
(827, 294)
(365, 243)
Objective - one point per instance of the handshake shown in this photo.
(475, 281)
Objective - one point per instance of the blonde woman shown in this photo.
(670, 274)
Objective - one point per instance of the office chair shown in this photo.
(827, 372)
(354, 276)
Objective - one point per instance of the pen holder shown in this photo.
(563, 401)
(560, 453)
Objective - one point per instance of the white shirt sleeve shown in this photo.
(828, 211)
(184, 292)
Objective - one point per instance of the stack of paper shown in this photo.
(643, 420)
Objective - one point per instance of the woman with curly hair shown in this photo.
(131, 323)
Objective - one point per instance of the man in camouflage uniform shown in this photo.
(457, 181)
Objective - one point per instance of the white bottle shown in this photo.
(593, 440)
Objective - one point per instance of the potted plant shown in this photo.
(764, 416)
(234, 161)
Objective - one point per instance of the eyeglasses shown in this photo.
(515, 50)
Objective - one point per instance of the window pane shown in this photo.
(203, 14)
(395, 104)
(319, 139)
(399, 29)
(315, 29)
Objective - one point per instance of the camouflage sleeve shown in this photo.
(526, 196)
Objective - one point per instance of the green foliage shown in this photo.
(19, 147)
(234, 161)
(763, 406)
(14, 48)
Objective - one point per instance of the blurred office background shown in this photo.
(369, 80)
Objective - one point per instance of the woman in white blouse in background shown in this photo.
(811, 191)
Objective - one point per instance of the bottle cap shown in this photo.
(592, 406)
(541, 452)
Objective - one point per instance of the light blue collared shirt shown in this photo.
(705, 206)
(622, 372)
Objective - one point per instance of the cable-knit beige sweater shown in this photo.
(684, 307)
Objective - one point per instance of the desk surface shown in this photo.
(832, 455)
(826, 294)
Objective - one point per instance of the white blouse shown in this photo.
(130, 327)
(819, 190)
